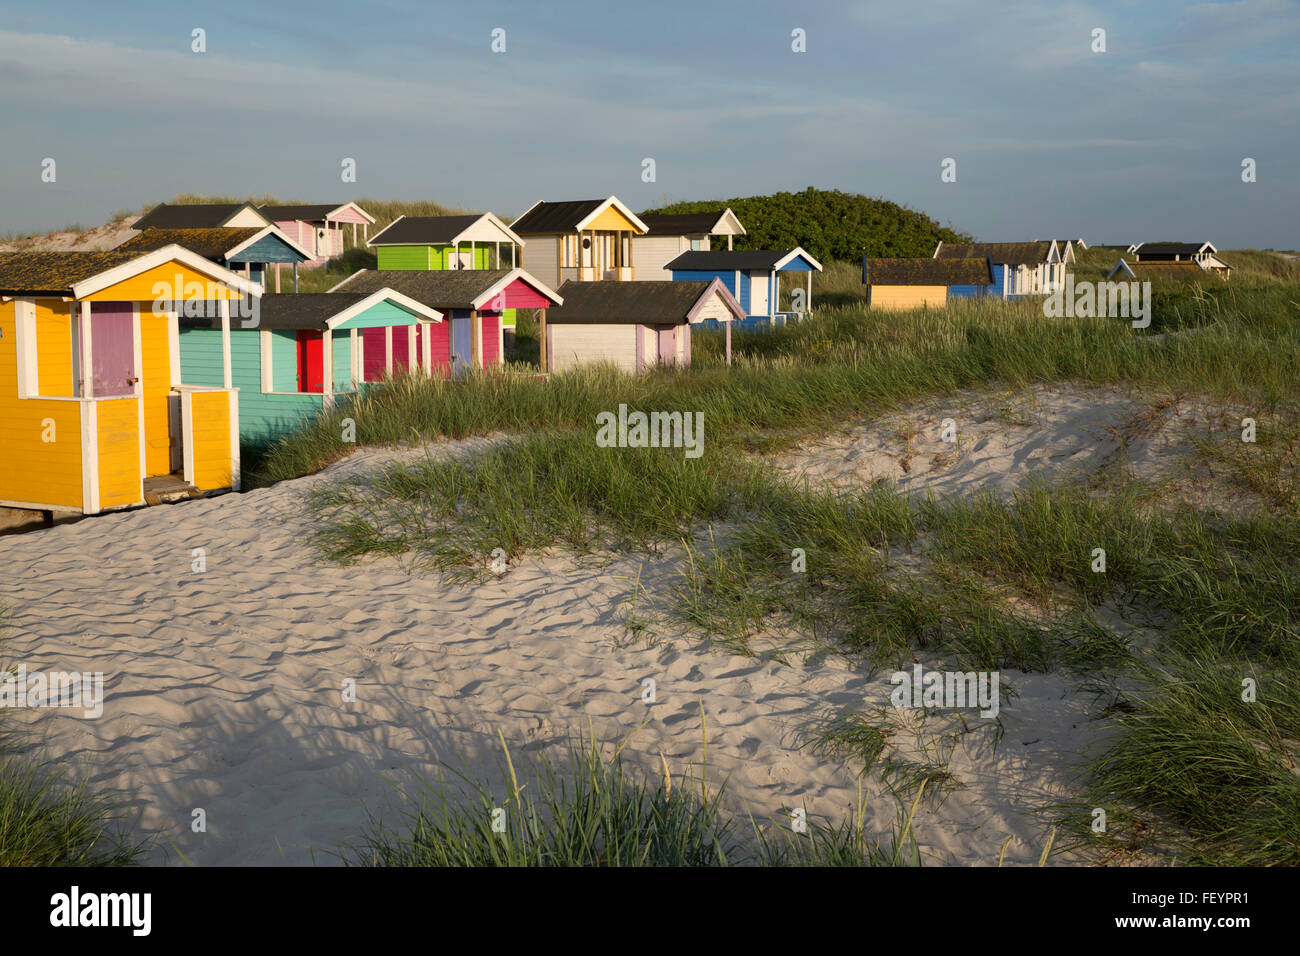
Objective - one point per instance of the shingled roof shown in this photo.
(438, 289)
(635, 303)
(946, 272)
(727, 260)
(1172, 248)
(686, 223)
(1187, 269)
(1002, 253)
(54, 273)
(209, 243)
(192, 215)
(547, 217)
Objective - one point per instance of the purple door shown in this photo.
(667, 344)
(112, 349)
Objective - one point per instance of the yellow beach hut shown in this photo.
(94, 414)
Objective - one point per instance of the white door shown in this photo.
(758, 293)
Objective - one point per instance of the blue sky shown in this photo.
(1051, 139)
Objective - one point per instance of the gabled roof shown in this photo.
(220, 243)
(1173, 248)
(639, 303)
(327, 310)
(443, 231)
(78, 274)
(545, 218)
(193, 215)
(746, 260)
(443, 289)
(318, 212)
(928, 271)
(719, 223)
(1002, 253)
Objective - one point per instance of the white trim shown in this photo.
(225, 343)
(187, 435)
(501, 339)
(236, 474)
(327, 360)
(426, 347)
(616, 203)
(388, 350)
(353, 351)
(29, 382)
(174, 346)
(87, 360)
(151, 260)
(89, 458)
(797, 251)
(268, 379)
(412, 360)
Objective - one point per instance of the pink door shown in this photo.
(112, 349)
(667, 344)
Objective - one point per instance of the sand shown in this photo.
(1054, 433)
(224, 687)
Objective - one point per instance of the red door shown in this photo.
(311, 362)
(112, 349)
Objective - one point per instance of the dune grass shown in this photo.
(591, 809)
(45, 820)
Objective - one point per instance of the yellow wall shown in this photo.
(118, 427)
(54, 348)
(908, 296)
(211, 441)
(32, 470)
(140, 288)
(611, 218)
(156, 382)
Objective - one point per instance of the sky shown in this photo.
(1050, 138)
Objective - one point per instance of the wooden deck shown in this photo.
(168, 488)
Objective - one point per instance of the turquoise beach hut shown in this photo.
(298, 353)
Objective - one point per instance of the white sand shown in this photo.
(1005, 438)
(224, 686)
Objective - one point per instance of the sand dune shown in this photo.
(224, 687)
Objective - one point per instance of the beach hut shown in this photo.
(305, 350)
(634, 325)
(471, 300)
(446, 242)
(915, 283)
(671, 234)
(1202, 253)
(208, 215)
(95, 412)
(753, 277)
(1187, 270)
(1020, 268)
(319, 228)
(586, 239)
(247, 249)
